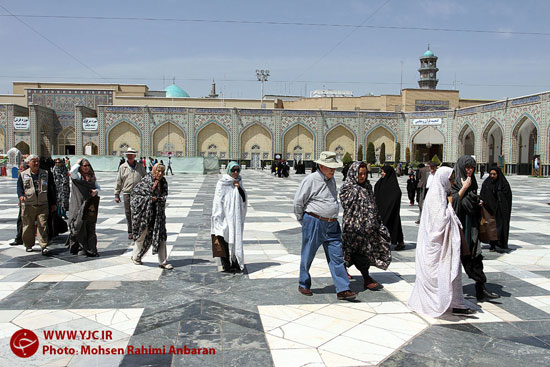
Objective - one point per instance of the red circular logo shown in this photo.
(24, 343)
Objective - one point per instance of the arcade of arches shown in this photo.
(169, 139)
(256, 145)
(341, 141)
(467, 141)
(213, 141)
(492, 143)
(380, 136)
(123, 136)
(298, 144)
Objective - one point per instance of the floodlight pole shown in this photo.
(262, 76)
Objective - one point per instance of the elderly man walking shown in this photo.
(316, 208)
(129, 175)
(35, 192)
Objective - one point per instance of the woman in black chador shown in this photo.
(388, 201)
(497, 198)
(467, 205)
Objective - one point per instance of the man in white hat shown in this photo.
(316, 208)
(129, 174)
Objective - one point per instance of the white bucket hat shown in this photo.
(328, 159)
(131, 151)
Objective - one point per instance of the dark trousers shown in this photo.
(127, 211)
(226, 263)
(361, 262)
(87, 238)
(474, 268)
(19, 236)
(169, 169)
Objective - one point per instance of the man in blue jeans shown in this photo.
(316, 208)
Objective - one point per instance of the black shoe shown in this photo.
(28, 249)
(463, 311)
(400, 247)
(483, 293)
(46, 252)
(15, 243)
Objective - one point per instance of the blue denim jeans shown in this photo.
(317, 232)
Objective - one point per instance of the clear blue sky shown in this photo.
(363, 60)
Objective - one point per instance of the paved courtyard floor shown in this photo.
(258, 318)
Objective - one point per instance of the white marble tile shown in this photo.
(297, 358)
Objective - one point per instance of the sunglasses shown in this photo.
(85, 165)
(235, 170)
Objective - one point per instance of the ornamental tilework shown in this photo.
(202, 119)
(134, 118)
(533, 110)
(309, 121)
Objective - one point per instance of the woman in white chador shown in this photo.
(228, 213)
(438, 285)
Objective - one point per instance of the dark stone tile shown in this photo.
(500, 353)
(239, 341)
(403, 359)
(247, 357)
(195, 327)
(131, 360)
(467, 328)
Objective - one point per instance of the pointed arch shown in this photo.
(426, 142)
(66, 141)
(299, 142)
(256, 142)
(466, 139)
(167, 138)
(342, 137)
(23, 147)
(381, 134)
(212, 139)
(524, 142)
(492, 139)
(122, 135)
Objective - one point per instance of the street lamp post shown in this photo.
(262, 76)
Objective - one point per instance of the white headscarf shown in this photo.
(438, 284)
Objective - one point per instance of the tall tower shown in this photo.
(428, 70)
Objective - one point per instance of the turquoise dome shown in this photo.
(428, 53)
(173, 91)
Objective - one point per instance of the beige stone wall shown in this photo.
(213, 140)
(191, 102)
(256, 135)
(19, 99)
(341, 137)
(122, 136)
(464, 103)
(409, 97)
(298, 137)
(381, 135)
(169, 138)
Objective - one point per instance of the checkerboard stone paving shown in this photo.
(259, 318)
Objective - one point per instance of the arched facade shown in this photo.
(341, 140)
(90, 149)
(378, 136)
(213, 141)
(466, 139)
(122, 136)
(66, 141)
(256, 144)
(298, 143)
(426, 143)
(169, 138)
(524, 143)
(492, 143)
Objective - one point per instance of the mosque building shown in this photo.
(106, 119)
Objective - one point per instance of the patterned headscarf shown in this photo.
(156, 167)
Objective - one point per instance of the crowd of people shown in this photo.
(450, 219)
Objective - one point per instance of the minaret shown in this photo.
(428, 70)
(213, 90)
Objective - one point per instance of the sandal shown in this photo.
(166, 266)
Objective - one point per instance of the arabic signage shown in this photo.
(21, 123)
(89, 124)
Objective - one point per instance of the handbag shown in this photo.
(487, 227)
(217, 248)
